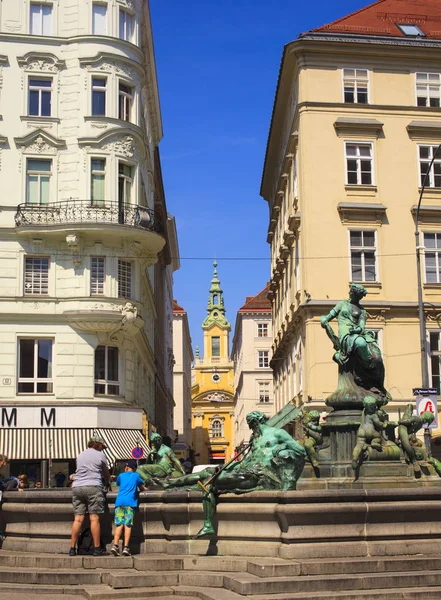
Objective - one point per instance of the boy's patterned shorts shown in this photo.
(124, 516)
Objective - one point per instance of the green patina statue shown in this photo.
(313, 436)
(162, 462)
(407, 427)
(372, 440)
(273, 461)
(361, 368)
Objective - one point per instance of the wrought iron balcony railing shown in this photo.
(77, 212)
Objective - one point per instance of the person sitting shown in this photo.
(23, 482)
(10, 483)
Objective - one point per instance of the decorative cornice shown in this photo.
(358, 126)
(424, 129)
(41, 62)
(361, 211)
(111, 63)
(39, 142)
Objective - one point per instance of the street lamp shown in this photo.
(423, 347)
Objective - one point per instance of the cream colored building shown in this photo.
(183, 358)
(253, 376)
(356, 120)
(79, 227)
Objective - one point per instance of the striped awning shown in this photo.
(120, 443)
(66, 444)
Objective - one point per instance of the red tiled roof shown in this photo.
(258, 303)
(177, 308)
(381, 18)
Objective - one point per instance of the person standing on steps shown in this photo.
(125, 504)
(88, 494)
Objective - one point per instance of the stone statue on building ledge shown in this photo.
(359, 359)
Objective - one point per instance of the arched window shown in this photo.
(217, 428)
(215, 299)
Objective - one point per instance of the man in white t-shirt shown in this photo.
(87, 493)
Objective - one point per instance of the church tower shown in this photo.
(213, 389)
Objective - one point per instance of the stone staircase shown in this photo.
(166, 577)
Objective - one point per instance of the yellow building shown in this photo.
(213, 385)
(355, 124)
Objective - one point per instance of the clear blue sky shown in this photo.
(217, 64)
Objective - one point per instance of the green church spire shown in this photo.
(215, 308)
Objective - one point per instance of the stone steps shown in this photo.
(421, 593)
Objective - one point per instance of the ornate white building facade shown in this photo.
(79, 231)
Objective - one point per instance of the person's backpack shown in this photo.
(85, 542)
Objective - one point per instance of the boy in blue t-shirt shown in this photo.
(125, 503)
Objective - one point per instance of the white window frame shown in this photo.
(428, 84)
(431, 178)
(362, 249)
(52, 20)
(262, 330)
(106, 18)
(92, 172)
(126, 101)
(35, 380)
(125, 36)
(418, 32)
(356, 80)
(97, 285)
(261, 358)
(127, 180)
(432, 354)
(218, 430)
(359, 158)
(39, 174)
(125, 279)
(36, 281)
(264, 389)
(99, 89)
(106, 381)
(437, 252)
(40, 90)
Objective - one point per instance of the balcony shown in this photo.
(78, 212)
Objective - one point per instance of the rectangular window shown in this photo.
(358, 164)
(355, 83)
(40, 97)
(97, 181)
(36, 276)
(124, 279)
(126, 22)
(40, 19)
(426, 155)
(125, 101)
(125, 182)
(35, 366)
(262, 329)
(99, 96)
(428, 89)
(215, 346)
(99, 18)
(97, 275)
(363, 256)
(106, 371)
(432, 257)
(435, 358)
(38, 176)
(263, 356)
(264, 391)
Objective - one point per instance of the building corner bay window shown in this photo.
(124, 279)
(363, 256)
(99, 18)
(215, 346)
(40, 22)
(125, 182)
(40, 97)
(107, 371)
(35, 366)
(99, 96)
(97, 181)
(97, 275)
(126, 22)
(38, 174)
(359, 164)
(125, 100)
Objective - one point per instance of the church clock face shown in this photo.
(215, 377)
